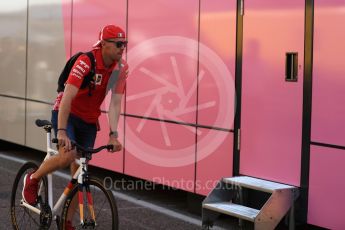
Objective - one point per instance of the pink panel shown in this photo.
(328, 120)
(104, 159)
(271, 122)
(160, 152)
(217, 63)
(162, 56)
(218, 162)
(67, 13)
(327, 188)
(111, 161)
(89, 16)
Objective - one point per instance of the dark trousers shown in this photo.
(77, 130)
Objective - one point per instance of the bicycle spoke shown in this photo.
(30, 216)
(96, 201)
(100, 210)
(22, 217)
(22, 220)
(105, 212)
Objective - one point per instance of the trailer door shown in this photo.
(272, 90)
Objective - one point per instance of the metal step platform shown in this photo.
(232, 209)
(227, 198)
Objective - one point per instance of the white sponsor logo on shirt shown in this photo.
(84, 64)
(98, 79)
(76, 75)
(80, 68)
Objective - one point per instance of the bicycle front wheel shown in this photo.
(22, 217)
(104, 207)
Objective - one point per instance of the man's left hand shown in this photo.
(115, 142)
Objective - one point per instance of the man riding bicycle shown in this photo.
(76, 110)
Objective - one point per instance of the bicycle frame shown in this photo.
(77, 177)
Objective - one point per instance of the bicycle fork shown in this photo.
(83, 183)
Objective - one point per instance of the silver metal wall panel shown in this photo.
(35, 136)
(46, 47)
(13, 18)
(12, 122)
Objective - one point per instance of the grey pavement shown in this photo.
(144, 210)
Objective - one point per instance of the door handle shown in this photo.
(291, 65)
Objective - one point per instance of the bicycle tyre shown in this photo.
(95, 184)
(16, 197)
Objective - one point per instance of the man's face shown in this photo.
(114, 48)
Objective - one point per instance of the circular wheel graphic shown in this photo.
(172, 101)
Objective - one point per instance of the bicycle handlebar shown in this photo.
(86, 150)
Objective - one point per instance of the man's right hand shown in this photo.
(63, 140)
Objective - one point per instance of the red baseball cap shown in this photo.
(108, 32)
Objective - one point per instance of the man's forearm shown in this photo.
(64, 112)
(114, 115)
(65, 105)
(114, 111)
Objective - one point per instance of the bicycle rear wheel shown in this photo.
(104, 206)
(22, 217)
